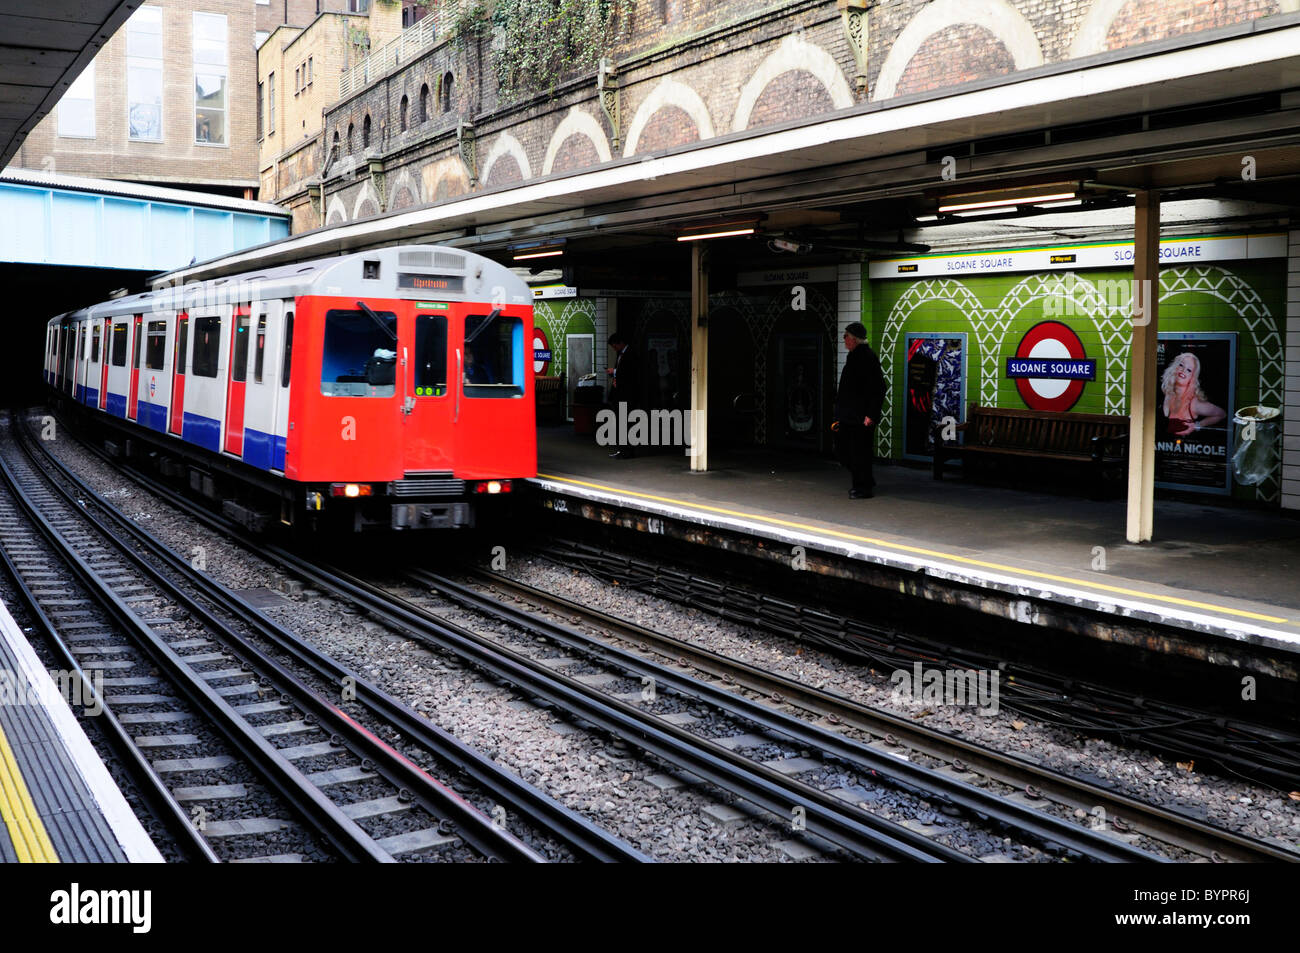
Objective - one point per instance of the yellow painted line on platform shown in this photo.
(875, 541)
(26, 829)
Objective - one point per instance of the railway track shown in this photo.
(235, 742)
(902, 737)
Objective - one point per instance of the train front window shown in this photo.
(360, 358)
(493, 361)
(430, 355)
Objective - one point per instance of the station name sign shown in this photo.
(1055, 369)
(1101, 255)
(430, 282)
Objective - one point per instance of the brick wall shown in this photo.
(690, 69)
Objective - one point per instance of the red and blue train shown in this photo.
(391, 388)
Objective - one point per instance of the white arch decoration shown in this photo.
(335, 210)
(578, 123)
(1092, 32)
(506, 145)
(367, 191)
(669, 92)
(793, 54)
(997, 16)
(405, 182)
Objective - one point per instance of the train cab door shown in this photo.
(260, 391)
(494, 424)
(237, 380)
(428, 401)
(133, 388)
(180, 352)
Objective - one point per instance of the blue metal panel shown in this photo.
(277, 461)
(153, 416)
(74, 229)
(259, 448)
(125, 226)
(115, 404)
(201, 430)
(52, 225)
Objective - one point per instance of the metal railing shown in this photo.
(403, 48)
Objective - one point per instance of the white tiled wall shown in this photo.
(849, 280)
(1291, 405)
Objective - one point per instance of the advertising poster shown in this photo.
(798, 396)
(1195, 382)
(935, 388)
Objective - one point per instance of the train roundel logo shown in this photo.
(541, 353)
(1055, 345)
(153, 385)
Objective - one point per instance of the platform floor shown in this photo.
(58, 802)
(1217, 568)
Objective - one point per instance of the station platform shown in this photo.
(1219, 574)
(58, 802)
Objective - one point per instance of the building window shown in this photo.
(401, 114)
(210, 78)
(447, 81)
(424, 103)
(334, 150)
(350, 128)
(365, 132)
(259, 37)
(297, 81)
(261, 112)
(358, 6)
(77, 107)
(144, 74)
(270, 104)
(311, 70)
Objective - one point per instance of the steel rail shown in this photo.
(1169, 826)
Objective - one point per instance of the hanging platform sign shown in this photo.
(1173, 251)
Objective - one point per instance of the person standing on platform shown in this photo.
(858, 404)
(624, 388)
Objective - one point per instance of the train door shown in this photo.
(153, 388)
(494, 424)
(237, 381)
(97, 373)
(260, 390)
(280, 381)
(133, 389)
(206, 384)
(427, 397)
(180, 356)
(70, 340)
(78, 361)
(116, 360)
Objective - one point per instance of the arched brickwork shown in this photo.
(998, 18)
(794, 94)
(505, 163)
(793, 54)
(1115, 24)
(673, 114)
(956, 54)
(589, 145)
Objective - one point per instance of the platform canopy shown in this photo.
(44, 47)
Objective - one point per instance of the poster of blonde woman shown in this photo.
(1196, 377)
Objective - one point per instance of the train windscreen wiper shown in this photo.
(487, 322)
(378, 320)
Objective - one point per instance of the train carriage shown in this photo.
(388, 388)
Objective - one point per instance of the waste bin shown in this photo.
(1254, 457)
(588, 396)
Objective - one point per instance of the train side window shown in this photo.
(360, 358)
(239, 363)
(207, 347)
(120, 331)
(94, 346)
(288, 349)
(135, 361)
(259, 354)
(182, 343)
(430, 355)
(494, 356)
(155, 352)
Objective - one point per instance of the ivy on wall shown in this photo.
(537, 44)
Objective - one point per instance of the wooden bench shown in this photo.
(1095, 445)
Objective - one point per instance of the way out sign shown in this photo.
(1050, 367)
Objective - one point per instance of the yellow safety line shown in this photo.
(26, 829)
(874, 541)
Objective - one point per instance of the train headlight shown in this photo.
(350, 490)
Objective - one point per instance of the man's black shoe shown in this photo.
(860, 494)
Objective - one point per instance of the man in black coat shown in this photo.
(625, 384)
(858, 405)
